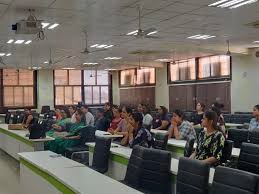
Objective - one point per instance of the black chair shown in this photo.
(160, 141)
(189, 147)
(227, 118)
(227, 152)
(233, 181)
(238, 136)
(254, 137)
(8, 117)
(20, 117)
(249, 158)
(36, 117)
(45, 109)
(15, 117)
(192, 177)
(101, 154)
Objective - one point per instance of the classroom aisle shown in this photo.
(9, 174)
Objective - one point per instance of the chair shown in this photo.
(101, 154)
(254, 137)
(160, 141)
(238, 136)
(227, 151)
(233, 181)
(189, 147)
(8, 117)
(249, 158)
(227, 118)
(35, 117)
(20, 117)
(192, 177)
(45, 109)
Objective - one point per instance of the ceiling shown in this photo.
(106, 20)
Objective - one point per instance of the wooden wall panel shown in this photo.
(133, 96)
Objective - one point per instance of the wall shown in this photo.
(45, 88)
(115, 88)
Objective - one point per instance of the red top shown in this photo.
(114, 124)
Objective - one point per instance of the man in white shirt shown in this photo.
(89, 118)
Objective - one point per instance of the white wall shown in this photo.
(45, 93)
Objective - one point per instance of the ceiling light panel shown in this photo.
(10, 41)
(231, 4)
(44, 24)
(102, 46)
(69, 68)
(150, 33)
(53, 26)
(2, 54)
(90, 63)
(19, 42)
(8, 54)
(113, 58)
(28, 42)
(201, 37)
(133, 33)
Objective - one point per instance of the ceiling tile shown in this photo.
(74, 4)
(31, 3)
(181, 7)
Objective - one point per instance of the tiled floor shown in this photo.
(9, 175)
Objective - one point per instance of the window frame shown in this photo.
(135, 79)
(199, 80)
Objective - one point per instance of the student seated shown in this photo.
(72, 110)
(58, 114)
(69, 139)
(101, 122)
(28, 119)
(89, 118)
(116, 121)
(210, 141)
(125, 126)
(147, 119)
(180, 128)
(138, 135)
(163, 121)
(200, 108)
(107, 112)
(254, 123)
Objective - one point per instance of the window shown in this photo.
(18, 88)
(183, 70)
(96, 86)
(137, 77)
(67, 87)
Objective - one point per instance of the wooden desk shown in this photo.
(105, 134)
(43, 172)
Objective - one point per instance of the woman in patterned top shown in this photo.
(210, 141)
(254, 123)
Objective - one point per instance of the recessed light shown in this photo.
(10, 41)
(46, 62)
(53, 26)
(113, 58)
(68, 68)
(18, 41)
(133, 33)
(44, 24)
(2, 54)
(154, 32)
(200, 37)
(231, 4)
(95, 45)
(8, 54)
(28, 42)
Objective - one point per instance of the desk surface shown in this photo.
(158, 131)
(86, 181)
(233, 125)
(105, 134)
(23, 133)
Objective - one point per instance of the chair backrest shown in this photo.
(238, 136)
(45, 109)
(254, 137)
(8, 117)
(101, 154)
(249, 158)
(227, 151)
(189, 147)
(192, 177)
(233, 181)
(20, 117)
(155, 172)
(160, 141)
(87, 135)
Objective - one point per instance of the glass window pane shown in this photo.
(225, 65)
(10, 77)
(96, 95)
(8, 96)
(183, 65)
(204, 67)
(61, 77)
(104, 94)
(68, 95)
(215, 66)
(191, 69)
(127, 77)
(146, 76)
(89, 77)
(74, 77)
(28, 96)
(59, 92)
(25, 77)
(174, 72)
(88, 95)
(102, 78)
(77, 95)
(18, 96)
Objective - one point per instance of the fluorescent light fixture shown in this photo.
(256, 41)
(10, 41)
(44, 24)
(95, 45)
(230, 3)
(46, 62)
(90, 63)
(113, 58)
(133, 33)
(150, 33)
(8, 54)
(28, 42)
(68, 68)
(164, 60)
(217, 3)
(243, 3)
(200, 37)
(53, 26)
(110, 69)
(102, 46)
(18, 41)
(2, 54)
(109, 46)
(34, 68)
